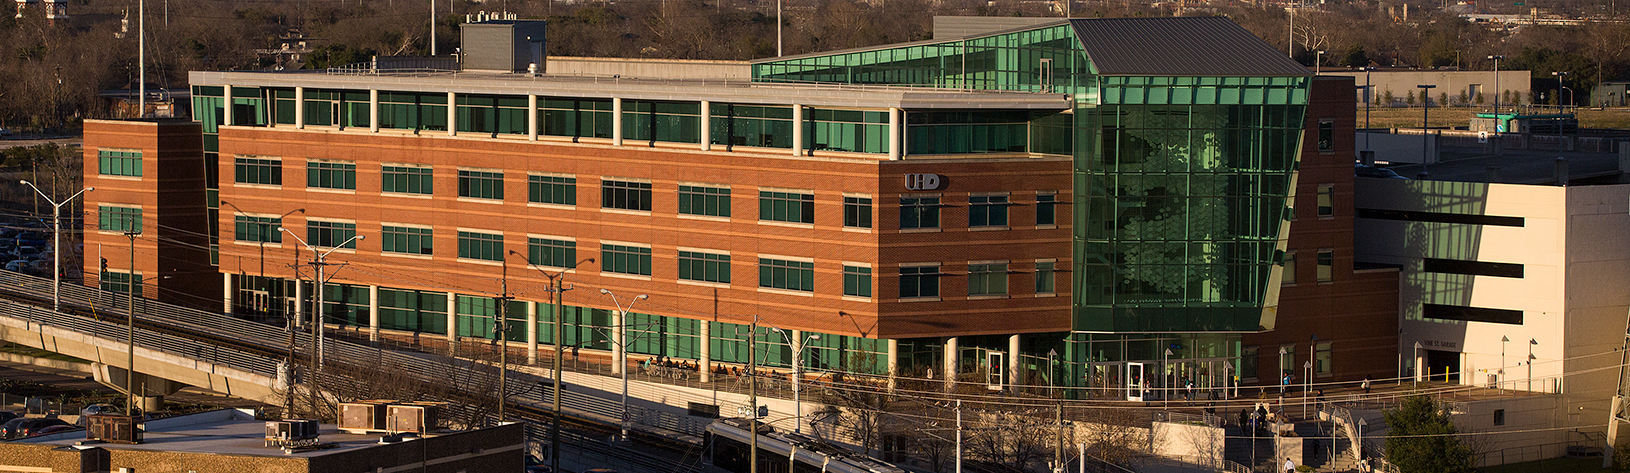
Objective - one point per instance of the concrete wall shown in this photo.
(1175, 439)
(1403, 147)
(649, 68)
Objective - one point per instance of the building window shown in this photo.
(1499, 417)
(406, 179)
(481, 246)
(919, 281)
(1327, 193)
(708, 201)
(551, 190)
(707, 267)
(919, 212)
(1327, 260)
(789, 275)
(987, 211)
(331, 234)
(119, 219)
(1046, 275)
(120, 282)
(857, 212)
(625, 259)
(626, 195)
(331, 175)
(406, 240)
(1290, 268)
(987, 279)
(118, 163)
(793, 207)
(1247, 363)
(1046, 209)
(481, 184)
(258, 171)
(1321, 358)
(551, 252)
(857, 281)
(1327, 136)
(260, 229)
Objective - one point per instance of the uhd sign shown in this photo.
(924, 182)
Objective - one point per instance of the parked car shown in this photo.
(7, 416)
(17, 266)
(33, 428)
(21, 426)
(97, 409)
(1361, 170)
(57, 428)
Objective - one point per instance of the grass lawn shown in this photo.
(1461, 117)
(1550, 465)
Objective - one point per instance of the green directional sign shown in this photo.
(1519, 4)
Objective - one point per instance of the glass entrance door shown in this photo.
(1134, 381)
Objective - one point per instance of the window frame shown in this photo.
(241, 222)
(119, 162)
(401, 236)
(1326, 264)
(706, 266)
(270, 169)
(988, 210)
(713, 200)
(424, 180)
(558, 250)
(786, 206)
(786, 274)
(1322, 356)
(1325, 201)
(1047, 205)
(1325, 139)
(468, 250)
(551, 189)
(920, 206)
(321, 174)
(1288, 276)
(1046, 277)
(491, 184)
(320, 233)
(614, 257)
(857, 211)
(625, 194)
(105, 210)
(984, 276)
(922, 274)
(857, 280)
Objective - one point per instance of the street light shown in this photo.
(1499, 124)
(1560, 104)
(1417, 362)
(1531, 343)
(1307, 384)
(622, 339)
(1425, 106)
(1317, 59)
(1369, 96)
(797, 373)
(56, 242)
(1501, 376)
(319, 259)
(1165, 378)
(558, 290)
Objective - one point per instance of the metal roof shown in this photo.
(1183, 46)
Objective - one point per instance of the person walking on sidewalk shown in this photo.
(1290, 466)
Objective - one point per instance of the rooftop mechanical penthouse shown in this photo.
(1109, 189)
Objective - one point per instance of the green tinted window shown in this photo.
(857, 281)
(783, 274)
(406, 240)
(793, 207)
(551, 190)
(258, 171)
(406, 179)
(551, 252)
(258, 229)
(119, 219)
(709, 201)
(625, 259)
(331, 175)
(119, 163)
(331, 234)
(482, 246)
(481, 184)
(709, 267)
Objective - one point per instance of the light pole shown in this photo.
(1531, 343)
(1501, 375)
(1166, 378)
(319, 259)
(1416, 384)
(1317, 59)
(501, 333)
(1560, 104)
(56, 242)
(1425, 106)
(131, 230)
(1307, 384)
(622, 340)
(1361, 424)
(1499, 124)
(558, 290)
(1052, 368)
(797, 373)
(1369, 96)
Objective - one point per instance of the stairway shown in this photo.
(1238, 447)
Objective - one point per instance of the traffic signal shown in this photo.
(104, 265)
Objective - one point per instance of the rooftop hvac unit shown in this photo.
(362, 416)
(113, 428)
(418, 418)
(291, 432)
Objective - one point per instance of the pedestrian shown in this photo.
(1366, 385)
(1188, 384)
(1290, 466)
(1284, 383)
(574, 352)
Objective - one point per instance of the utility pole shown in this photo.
(320, 261)
(752, 399)
(131, 230)
(502, 332)
(558, 289)
(56, 241)
(958, 436)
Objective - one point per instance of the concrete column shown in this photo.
(226, 292)
(452, 324)
(1013, 361)
(373, 110)
(707, 128)
(299, 108)
(706, 363)
(950, 356)
(894, 363)
(896, 147)
(227, 107)
(373, 313)
(616, 121)
(797, 130)
(532, 134)
(618, 337)
(532, 329)
(452, 114)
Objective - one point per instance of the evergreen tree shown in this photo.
(1423, 439)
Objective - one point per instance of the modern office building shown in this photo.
(971, 204)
